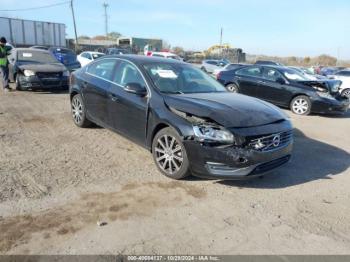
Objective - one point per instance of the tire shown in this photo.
(346, 93)
(301, 105)
(170, 155)
(18, 85)
(78, 111)
(232, 88)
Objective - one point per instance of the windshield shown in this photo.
(182, 79)
(292, 74)
(35, 56)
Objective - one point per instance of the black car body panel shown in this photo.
(282, 92)
(139, 118)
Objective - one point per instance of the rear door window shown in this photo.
(250, 71)
(103, 69)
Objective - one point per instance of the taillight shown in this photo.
(218, 75)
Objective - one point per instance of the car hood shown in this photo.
(227, 109)
(43, 67)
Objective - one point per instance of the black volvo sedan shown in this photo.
(286, 87)
(189, 121)
(36, 69)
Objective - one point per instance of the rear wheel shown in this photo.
(301, 105)
(170, 155)
(232, 88)
(79, 112)
(346, 93)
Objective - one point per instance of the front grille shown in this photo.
(53, 75)
(270, 142)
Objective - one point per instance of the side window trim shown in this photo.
(246, 75)
(149, 93)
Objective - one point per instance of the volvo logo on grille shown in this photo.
(276, 140)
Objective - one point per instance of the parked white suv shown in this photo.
(210, 66)
(166, 55)
(344, 76)
(87, 57)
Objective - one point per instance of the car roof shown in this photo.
(32, 50)
(141, 59)
(92, 52)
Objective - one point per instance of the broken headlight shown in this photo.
(210, 133)
(28, 73)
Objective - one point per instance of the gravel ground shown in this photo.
(58, 181)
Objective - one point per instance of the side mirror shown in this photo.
(281, 81)
(136, 88)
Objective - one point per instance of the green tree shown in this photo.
(114, 35)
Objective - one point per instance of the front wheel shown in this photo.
(232, 88)
(170, 155)
(79, 112)
(301, 105)
(346, 93)
(18, 84)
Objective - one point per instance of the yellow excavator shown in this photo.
(217, 47)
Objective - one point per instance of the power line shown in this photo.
(34, 8)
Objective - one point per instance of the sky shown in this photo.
(270, 27)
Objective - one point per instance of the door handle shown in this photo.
(113, 97)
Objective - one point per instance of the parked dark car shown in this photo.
(286, 87)
(36, 69)
(41, 47)
(326, 71)
(117, 51)
(265, 62)
(189, 122)
(67, 57)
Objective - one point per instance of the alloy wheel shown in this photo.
(232, 88)
(346, 93)
(169, 155)
(300, 106)
(77, 110)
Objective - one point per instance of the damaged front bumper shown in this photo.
(241, 162)
(34, 82)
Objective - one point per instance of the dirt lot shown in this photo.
(57, 181)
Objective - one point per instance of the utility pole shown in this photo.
(105, 5)
(75, 26)
(221, 36)
(221, 48)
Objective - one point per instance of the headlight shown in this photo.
(66, 73)
(29, 73)
(208, 133)
(325, 95)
